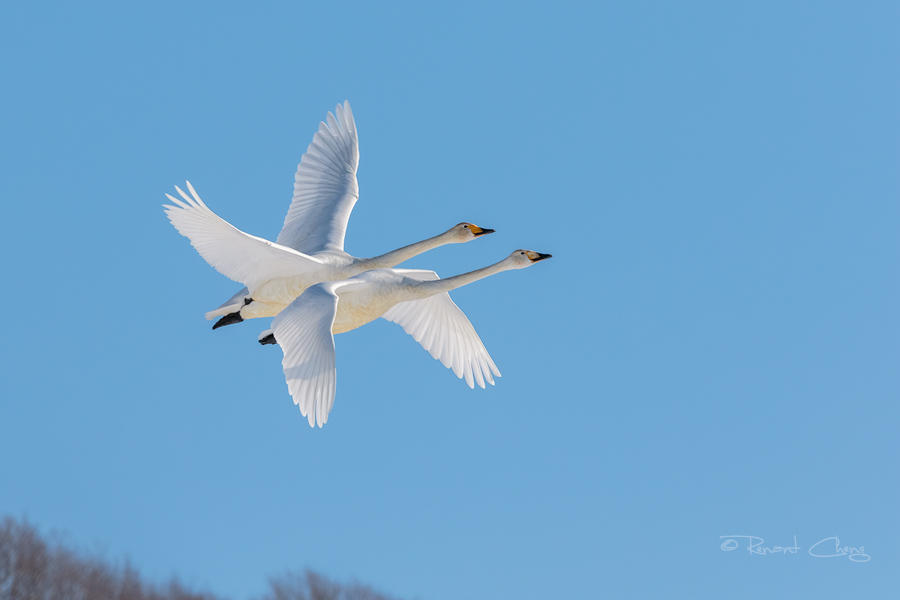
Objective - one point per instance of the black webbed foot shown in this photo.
(228, 319)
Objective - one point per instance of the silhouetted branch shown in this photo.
(34, 569)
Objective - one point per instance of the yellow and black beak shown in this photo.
(536, 256)
(476, 230)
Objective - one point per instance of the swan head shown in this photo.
(466, 232)
(525, 258)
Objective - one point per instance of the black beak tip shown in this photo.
(484, 231)
(542, 256)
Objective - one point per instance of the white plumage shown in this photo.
(439, 325)
(315, 289)
(240, 256)
(417, 300)
(310, 247)
(325, 187)
(309, 353)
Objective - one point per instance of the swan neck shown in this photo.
(395, 257)
(429, 288)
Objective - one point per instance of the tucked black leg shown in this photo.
(269, 339)
(228, 319)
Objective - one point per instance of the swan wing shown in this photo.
(325, 187)
(303, 330)
(237, 255)
(325, 190)
(440, 327)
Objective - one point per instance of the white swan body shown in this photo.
(417, 300)
(310, 247)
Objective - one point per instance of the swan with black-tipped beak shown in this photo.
(310, 247)
(419, 301)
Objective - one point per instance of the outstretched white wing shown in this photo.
(445, 332)
(237, 255)
(303, 330)
(325, 190)
(325, 187)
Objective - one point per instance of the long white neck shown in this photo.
(395, 257)
(430, 288)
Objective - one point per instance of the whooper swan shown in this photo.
(310, 247)
(416, 300)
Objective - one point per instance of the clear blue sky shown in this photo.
(712, 350)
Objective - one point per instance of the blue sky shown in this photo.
(712, 350)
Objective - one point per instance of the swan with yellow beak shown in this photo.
(310, 247)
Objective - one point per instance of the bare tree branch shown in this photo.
(32, 568)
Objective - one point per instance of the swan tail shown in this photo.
(235, 303)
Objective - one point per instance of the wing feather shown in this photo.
(239, 256)
(442, 329)
(303, 330)
(325, 187)
(325, 190)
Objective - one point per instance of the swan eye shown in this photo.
(521, 253)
